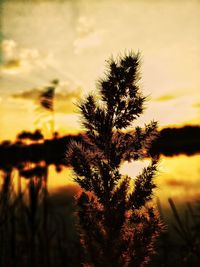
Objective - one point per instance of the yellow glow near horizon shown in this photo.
(70, 41)
(173, 178)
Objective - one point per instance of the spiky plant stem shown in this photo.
(118, 227)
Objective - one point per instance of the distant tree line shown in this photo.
(26, 135)
(171, 141)
(174, 141)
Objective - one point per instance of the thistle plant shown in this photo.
(118, 226)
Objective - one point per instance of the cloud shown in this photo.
(65, 97)
(164, 98)
(197, 105)
(87, 35)
(17, 59)
(178, 183)
(12, 64)
(31, 94)
(85, 26)
(8, 48)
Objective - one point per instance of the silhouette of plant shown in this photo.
(46, 105)
(34, 229)
(118, 227)
(187, 228)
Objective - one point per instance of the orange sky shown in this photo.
(70, 41)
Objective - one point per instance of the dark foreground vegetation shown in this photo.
(38, 228)
(171, 141)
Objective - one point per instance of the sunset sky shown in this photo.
(70, 40)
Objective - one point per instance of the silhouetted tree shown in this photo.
(35, 136)
(117, 224)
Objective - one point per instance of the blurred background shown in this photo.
(68, 42)
(53, 53)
